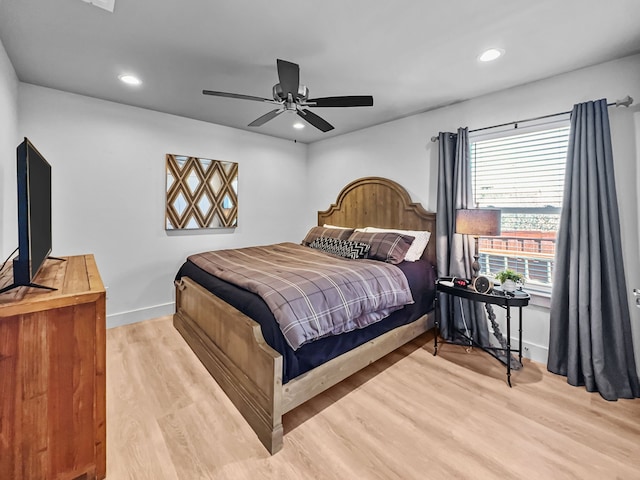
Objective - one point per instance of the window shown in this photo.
(523, 175)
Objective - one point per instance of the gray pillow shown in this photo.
(317, 232)
(388, 247)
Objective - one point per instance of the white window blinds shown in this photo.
(523, 175)
(520, 171)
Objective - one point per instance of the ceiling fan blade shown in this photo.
(347, 101)
(289, 75)
(266, 117)
(237, 95)
(318, 122)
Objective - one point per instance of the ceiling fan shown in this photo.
(290, 96)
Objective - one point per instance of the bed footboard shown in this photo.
(232, 348)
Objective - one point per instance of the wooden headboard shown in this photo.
(383, 203)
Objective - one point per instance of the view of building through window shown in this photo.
(523, 175)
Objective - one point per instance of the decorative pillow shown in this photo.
(421, 239)
(386, 246)
(342, 248)
(317, 232)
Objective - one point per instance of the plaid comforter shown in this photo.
(311, 294)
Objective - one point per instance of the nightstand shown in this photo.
(497, 297)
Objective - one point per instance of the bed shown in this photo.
(255, 370)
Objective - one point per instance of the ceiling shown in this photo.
(411, 55)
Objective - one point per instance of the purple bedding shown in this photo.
(311, 294)
(421, 279)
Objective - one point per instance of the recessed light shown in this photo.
(491, 54)
(129, 79)
(298, 125)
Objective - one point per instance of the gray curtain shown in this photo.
(590, 331)
(454, 251)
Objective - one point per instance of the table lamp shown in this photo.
(478, 222)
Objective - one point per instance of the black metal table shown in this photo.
(504, 300)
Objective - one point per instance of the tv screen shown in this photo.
(34, 214)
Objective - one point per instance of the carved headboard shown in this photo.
(383, 203)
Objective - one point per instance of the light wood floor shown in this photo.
(408, 416)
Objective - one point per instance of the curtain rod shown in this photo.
(625, 102)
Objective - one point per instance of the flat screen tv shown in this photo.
(34, 216)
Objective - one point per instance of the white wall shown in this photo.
(402, 151)
(108, 168)
(8, 143)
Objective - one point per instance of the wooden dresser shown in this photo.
(52, 374)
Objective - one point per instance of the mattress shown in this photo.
(420, 275)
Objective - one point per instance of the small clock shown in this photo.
(482, 284)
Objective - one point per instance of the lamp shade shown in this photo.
(479, 222)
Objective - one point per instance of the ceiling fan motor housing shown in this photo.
(278, 95)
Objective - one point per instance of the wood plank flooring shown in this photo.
(408, 416)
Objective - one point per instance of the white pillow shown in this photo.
(421, 239)
(326, 225)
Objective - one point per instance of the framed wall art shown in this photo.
(201, 193)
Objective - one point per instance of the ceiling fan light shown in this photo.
(298, 125)
(491, 54)
(129, 79)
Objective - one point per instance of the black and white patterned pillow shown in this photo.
(342, 248)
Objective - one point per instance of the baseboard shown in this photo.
(133, 316)
(537, 353)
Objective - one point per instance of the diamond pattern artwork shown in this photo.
(201, 193)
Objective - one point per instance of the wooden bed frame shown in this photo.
(231, 345)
